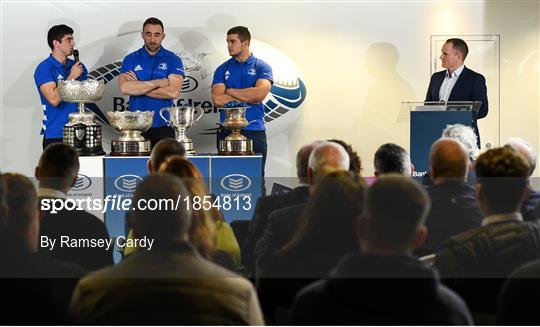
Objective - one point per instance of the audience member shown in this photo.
(169, 282)
(391, 158)
(208, 232)
(527, 151)
(57, 172)
(327, 157)
(482, 257)
(326, 232)
(454, 208)
(384, 284)
(467, 137)
(36, 288)
(268, 204)
(519, 298)
(163, 149)
(355, 165)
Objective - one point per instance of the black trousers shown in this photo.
(154, 135)
(50, 141)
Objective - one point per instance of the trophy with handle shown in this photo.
(181, 119)
(81, 131)
(235, 143)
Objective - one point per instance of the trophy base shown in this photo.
(130, 148)
(91, 152)
(235, 147)
(188, 146)
(85, 138)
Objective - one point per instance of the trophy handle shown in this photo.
(202, 113)
(161, 114)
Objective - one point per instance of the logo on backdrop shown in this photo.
(83, 182)
(235, 182)
(127, 183)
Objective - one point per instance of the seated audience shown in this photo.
(477, 261)
(36, 288)
(168, 282)
(519, 298)
(208, 232)
(283, 224)
(527, 151)
(391, 158)
(326, 233)
(467, 137)
(384, 284)
(454, 208)
(57, 172)
(355, 165)
(267, 204)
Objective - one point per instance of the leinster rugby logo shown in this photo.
(235, 182)
(83, 182)
(127, 183)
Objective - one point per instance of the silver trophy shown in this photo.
(235, 143)
(182, 118)
(130, 125)
(81, 131)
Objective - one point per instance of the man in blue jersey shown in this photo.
(243, 78)
(152, 77)
(57, 67)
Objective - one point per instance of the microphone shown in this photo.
(76, 55)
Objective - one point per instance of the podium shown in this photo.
(427, 122)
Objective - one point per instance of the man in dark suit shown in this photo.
(457, 82)
(57, 172)
(283, 223)
(268, 204)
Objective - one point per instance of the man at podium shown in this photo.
(457, 82)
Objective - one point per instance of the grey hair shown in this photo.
(321, 158)
(524, 148)
(466, 136)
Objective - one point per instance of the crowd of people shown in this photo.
(460, 246)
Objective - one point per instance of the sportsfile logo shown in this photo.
(127, 183)
(235, 182)
(83, 182)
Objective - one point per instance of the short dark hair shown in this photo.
(58, 165)
(22, 201)
(166, 223)
(57, 32)
(163, 149)
(459, 45)
(153, 21)
(242, 32)
(391, 158)
(503, 174)
(396, 206)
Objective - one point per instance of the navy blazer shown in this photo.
(470, 86)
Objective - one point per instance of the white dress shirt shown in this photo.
(448, 83)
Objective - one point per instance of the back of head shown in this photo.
(525, 149)
(330, 215)
(355, 165)
(503, 176)
(328, 157)
(395, 209)
(163, 149)
(58, 167)
(302, 161)
(21, 200)
(466, 136)
(391, 158)
(448, 158)
(165, 223)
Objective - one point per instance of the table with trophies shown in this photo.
(233, 175)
